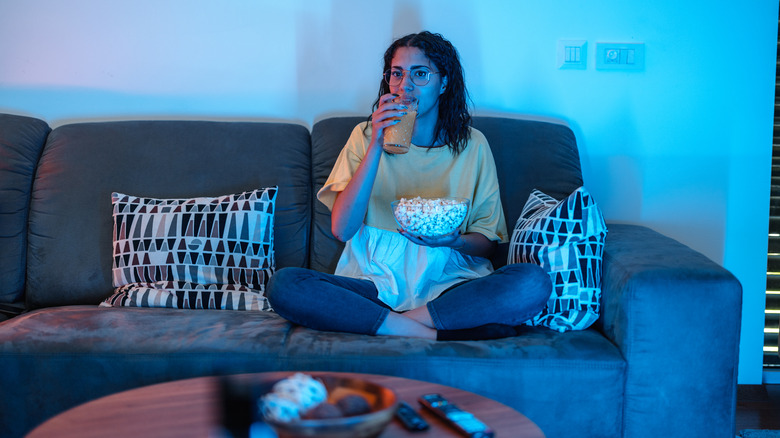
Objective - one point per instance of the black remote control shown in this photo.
(464, 422)
(409, 417)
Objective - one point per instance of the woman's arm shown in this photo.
(350, 205)
(473, 244)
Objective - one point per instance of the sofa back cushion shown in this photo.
(529, 155)
(328, 137)
(70, 243)
(21, 142)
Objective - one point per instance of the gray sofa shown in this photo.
(660, 362)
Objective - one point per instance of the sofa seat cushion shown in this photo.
(66, 356)
(553, 378)
(91, 329)
(69, 355)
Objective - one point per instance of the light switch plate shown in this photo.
(620, 56)
(572, 54)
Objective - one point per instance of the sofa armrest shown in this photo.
(675, 316)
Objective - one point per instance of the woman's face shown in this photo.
(409, 58)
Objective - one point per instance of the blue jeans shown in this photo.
(511, 295)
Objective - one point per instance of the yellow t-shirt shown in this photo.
(429, 173)
(408, 275)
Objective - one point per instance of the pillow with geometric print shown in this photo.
(566, 238)
(199, 253)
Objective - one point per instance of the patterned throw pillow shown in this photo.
(183, 295)
(566, 238)
(199, 246)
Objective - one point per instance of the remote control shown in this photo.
(409, 417)
(464, 422)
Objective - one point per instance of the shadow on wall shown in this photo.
(338, 63)
(620, 176)
(354, 56)
(654, 184)
(615, 174)
(406, 19)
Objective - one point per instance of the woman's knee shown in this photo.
(283, 283)
(531, 279)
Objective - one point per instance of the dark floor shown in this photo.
(758, 407)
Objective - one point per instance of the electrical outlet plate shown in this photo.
(620, 56)
(572, 54)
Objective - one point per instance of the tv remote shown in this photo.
(409, 417)
(464, 422)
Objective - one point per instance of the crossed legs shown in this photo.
(509, 296)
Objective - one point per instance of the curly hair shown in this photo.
(454, 120)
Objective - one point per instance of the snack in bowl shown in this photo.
(430, 217)
(292, 396)
(349, 407)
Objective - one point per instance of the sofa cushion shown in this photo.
(328, 137)
(69, 355)
(82, 164)
(566, 238)
(21, 142)
(552, 378)
(585, 369)
(528, 154)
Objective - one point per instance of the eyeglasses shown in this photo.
(420, 76)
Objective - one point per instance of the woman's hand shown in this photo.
(449, 240)
(473, 244)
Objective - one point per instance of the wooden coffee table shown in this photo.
(190, 408)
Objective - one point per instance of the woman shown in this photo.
(388, 282)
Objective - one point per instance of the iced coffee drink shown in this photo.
(398, 137)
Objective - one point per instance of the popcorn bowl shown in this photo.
(430, 217)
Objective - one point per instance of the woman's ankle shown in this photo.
(397, 324)
(421, 315)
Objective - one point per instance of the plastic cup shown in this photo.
(398, 137)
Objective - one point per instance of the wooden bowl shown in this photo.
(383, 402)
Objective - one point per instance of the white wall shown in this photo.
(683, 146)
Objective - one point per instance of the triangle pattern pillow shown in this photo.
(185, 295)
(566, 238)
(206, 252)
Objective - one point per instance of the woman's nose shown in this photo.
(406, 81)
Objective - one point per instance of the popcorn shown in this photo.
(430, 217)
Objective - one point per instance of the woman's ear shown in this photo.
(443, 85)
